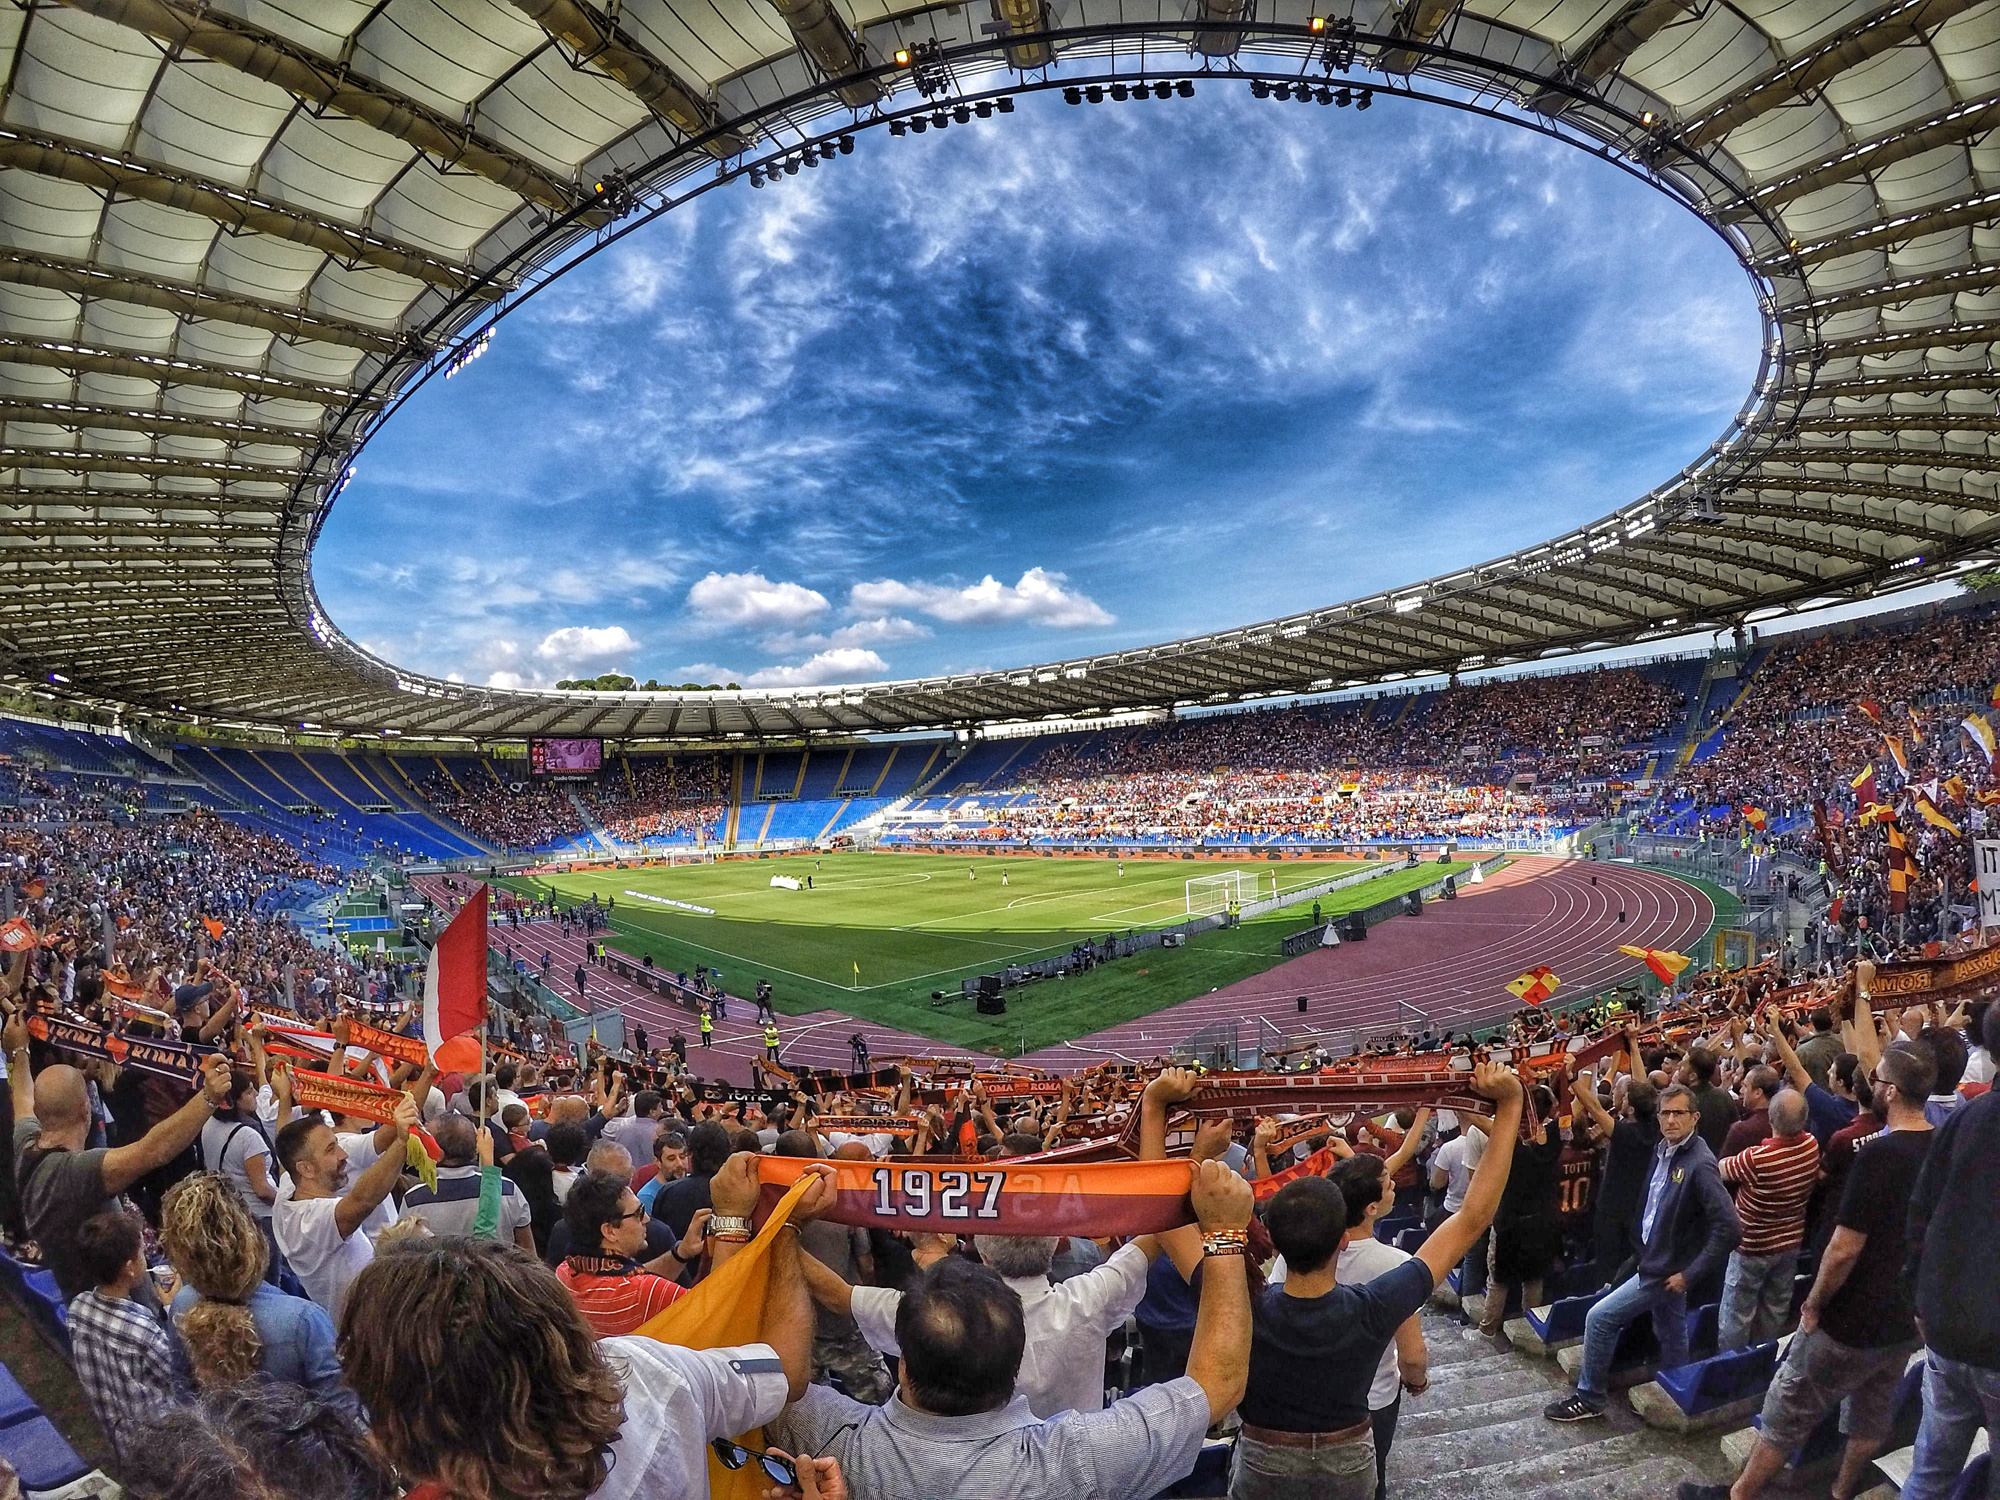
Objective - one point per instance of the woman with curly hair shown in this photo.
(485, 1383)
(251, 1442)
(236, 1324)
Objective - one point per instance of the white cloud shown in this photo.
(752, 600)
(884, 630)
(844, 664)
(506, 680)
(1039, 597)
(581, 645)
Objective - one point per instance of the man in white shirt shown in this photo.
(324, 1205)
(1062, 1368)
(1451, 1173)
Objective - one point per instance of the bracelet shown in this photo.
(721, 1224)
(1226, 1242)
(730, 1237)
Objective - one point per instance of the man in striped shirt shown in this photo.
(1774, 1178)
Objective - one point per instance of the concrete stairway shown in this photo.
(1479, 1431)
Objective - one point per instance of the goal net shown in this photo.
(1212, 895)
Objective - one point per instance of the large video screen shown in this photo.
(565, 757)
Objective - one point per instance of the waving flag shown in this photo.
(1664, 962)
(214, 928)
(1916, 724)
(455, 984)
(1980, 733)
(1871, 708)
(17, 936)
(1536, 985)
(1864, 786)
(1899, 872)
(1927, 810)
(1756, 817)
(1896, 753)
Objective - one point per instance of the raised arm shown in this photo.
(789, 1318)
(373, 1185)
(20, 1082)
(1584, 1090)
(1219, 1357)
(125, 1165)
(1413, 1140)
(1794, 1069)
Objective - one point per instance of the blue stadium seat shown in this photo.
(44, 1304)
(1411, 1240)
(1387, 1229)
(1573, 1281)
(1701, 1326)
(41, 1455)
(1721, 1378)
(16, 1405)
(1561, 1322)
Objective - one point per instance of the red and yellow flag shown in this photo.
(1896, 753)
(17, 936)
(1871, 708)
(1864, 786)
(1899, 871)
(1755, 816)
(1927, 810)
(1916, 724)
(1536, 985)
(1664, 962)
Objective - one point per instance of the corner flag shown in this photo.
(455, 984)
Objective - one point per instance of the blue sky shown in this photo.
(1043, 385)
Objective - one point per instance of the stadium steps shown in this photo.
(406, 788)
(1479, 1430)
(597, 830)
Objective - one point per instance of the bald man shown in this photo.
(62, 1184)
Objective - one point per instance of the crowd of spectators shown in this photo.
(684, 799)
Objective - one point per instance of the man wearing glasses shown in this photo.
(1687, 1227)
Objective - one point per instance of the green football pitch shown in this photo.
(878, 934)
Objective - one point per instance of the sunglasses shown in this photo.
(776, 1466)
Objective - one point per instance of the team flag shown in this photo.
(1927, 810)
(1877, 812)
(1896, 753)
(1833, 911)
(455, 983)
(1871, 708)
(1954, 788)
(17, 936)
(35, 889)
(1980, 733)
(1664, 962)
(1755, 816)
(1994, 696)
(1916, 724)
(1536, 985)
(1864, 785)
(214, 928)
(1899, 871)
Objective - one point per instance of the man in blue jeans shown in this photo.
(1955, 1265)
(1687, 1227)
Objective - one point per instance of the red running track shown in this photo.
(1453, 963)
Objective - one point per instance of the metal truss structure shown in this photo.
(238, 234)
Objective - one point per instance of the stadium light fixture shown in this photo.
(1005, 104)
(1343, 97)
(1073, 95)
(847, 145)
(1325, 96)
(1409, 604)
(984, 109)
(1260, 89)
(919, 124)
(902, 56)
(962, 114)
(1316, 25)
(897, 127)
(1283, 91)
(940, 119)
(756, 178)
(1094, 94)
(1186, 87)
(1364, 99)
(1120, 93)
(1649, 119)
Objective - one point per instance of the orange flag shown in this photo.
(214, 928)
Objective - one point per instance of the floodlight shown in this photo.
(1343, 97)
(1283, 91)
(1302, 94)
(1325, 96)
(1260, 89)
(984, 109)
(1073, 95)
(847, 145)
(1364, 99)
(940, 119)
(1316, 25)
(1163, 90)
(902, 57)
(919, 124)
(1005, 104)
(1649, 119)
(756, 178)
(962, 115)
(1095, 94)
(1186, 86)
(792, 167)
(1120, 92)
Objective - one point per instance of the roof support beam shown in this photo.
(1960, 122)
(111, 172)
(1902, 494)
(1893, 458)
(1802, 546)
(76, 417)
(1788, 82)
(1951, 336)
(259, 54)
(1952, 213)
(1726, 560)
(597, 40)
(1611, 48)
(166, 369)
(1904, 422)
(69, 461)
(1915, 384)
(81, 279)
(1626, 585)
(1851, 520)
(32, 498)
(1910, 289)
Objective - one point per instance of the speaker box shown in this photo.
(1413, 904)
(1302, 1005)
(1352, 928)
(992, 1003)
(989, 984)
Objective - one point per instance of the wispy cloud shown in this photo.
(1169, 368)
(843, 664)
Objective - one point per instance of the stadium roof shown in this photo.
(237, 231)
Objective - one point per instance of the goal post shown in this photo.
(1213, 895)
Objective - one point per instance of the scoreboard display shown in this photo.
(565, 757)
